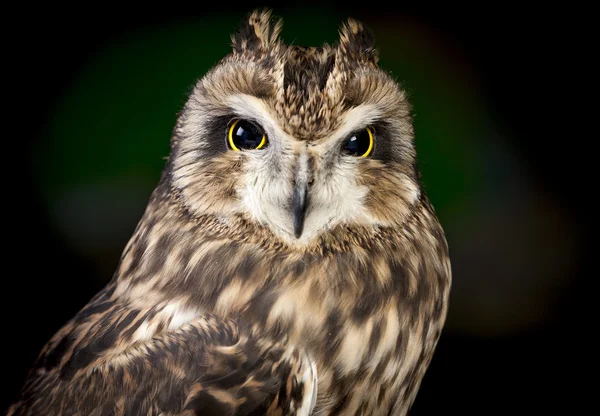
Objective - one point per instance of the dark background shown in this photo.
(96, 97)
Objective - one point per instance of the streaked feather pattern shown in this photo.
(215, 307)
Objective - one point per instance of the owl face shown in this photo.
(297, 140)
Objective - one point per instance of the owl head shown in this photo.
(296, 140)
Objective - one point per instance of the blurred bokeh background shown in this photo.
(99, 98)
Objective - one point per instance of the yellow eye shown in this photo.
(359, 144)
(244, 135)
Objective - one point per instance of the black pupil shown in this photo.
(358, 143)
(246, 135)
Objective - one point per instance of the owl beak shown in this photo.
(299, 203)
(302, 179)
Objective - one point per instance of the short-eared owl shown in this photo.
(288, 262)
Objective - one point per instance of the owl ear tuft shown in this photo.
(258, 34)
(357, 42)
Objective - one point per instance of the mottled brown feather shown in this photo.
(214, 308)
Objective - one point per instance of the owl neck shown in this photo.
(175, 256)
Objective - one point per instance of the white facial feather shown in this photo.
(267, 194)
(270, 174)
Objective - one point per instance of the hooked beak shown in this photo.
(299, 203)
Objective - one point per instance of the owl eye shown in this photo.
(244, 135)
(360, 143)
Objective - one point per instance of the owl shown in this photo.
(288, 261)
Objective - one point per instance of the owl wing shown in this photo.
(100, 364)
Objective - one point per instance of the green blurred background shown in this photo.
(102, 98)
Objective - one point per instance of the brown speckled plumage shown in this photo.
(216, 307)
